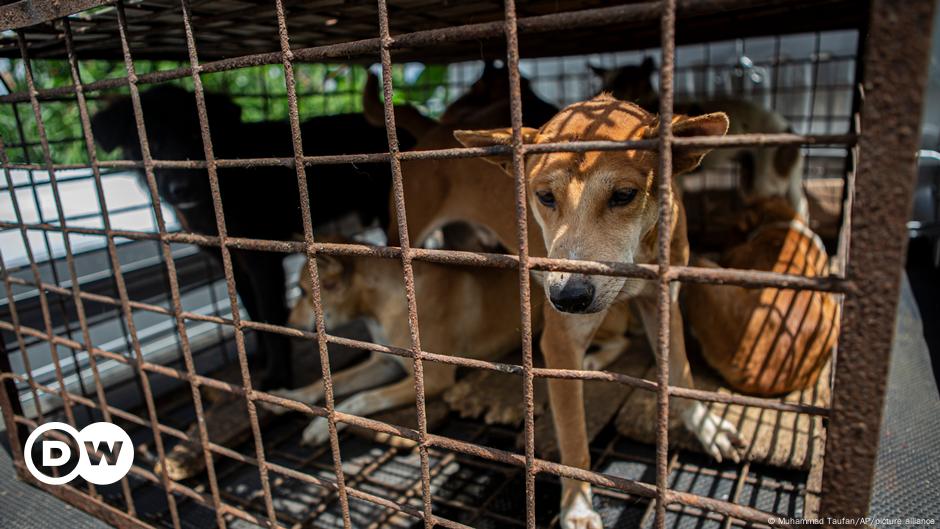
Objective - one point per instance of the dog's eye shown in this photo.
(546, 198)
(621, 197)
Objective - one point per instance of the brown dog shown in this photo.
(466, 311)
(767, 341)
(765, 171)
(441, 193)
(603, 206)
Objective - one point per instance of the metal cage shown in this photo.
(881, 145)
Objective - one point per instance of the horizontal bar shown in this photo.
(344, 50)
(565, 21)
(728, 141)
(492, 454)
(680, 392)
(605, 376)
(746, 278)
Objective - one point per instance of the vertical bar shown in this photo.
(69, 257)
(9, 396)
(45, 235)
(287, 57)
(895, 68)
(232, 292)
(664, 299)
(407, 270)
(43, 301)
(15, 317)
(167, 254)
(113, 262)
(522, 235)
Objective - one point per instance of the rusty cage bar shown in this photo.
(885, 144)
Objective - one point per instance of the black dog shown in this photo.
(259, 202)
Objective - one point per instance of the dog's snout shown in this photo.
(574, 295)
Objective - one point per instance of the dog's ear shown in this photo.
(114, 126)
(491, 137)
(648, 65)
(685, 160)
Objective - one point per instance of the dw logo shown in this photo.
(104, 453)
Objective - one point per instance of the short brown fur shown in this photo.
(767, 341)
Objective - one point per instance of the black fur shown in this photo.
(260, 202)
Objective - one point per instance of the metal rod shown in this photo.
(288, 57)
(398, 196)
(522, 240)
(664, 238)
(890, 135)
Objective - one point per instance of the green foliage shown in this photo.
(323, 89)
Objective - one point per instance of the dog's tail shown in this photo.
(407, 117)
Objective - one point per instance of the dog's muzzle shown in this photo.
(576, 295)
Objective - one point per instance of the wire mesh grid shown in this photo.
(354, 489)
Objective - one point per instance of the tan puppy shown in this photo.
(767, 341)
(603, 206)
(466, 311)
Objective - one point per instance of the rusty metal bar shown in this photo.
(871, 298)
(187, 353)
(664, 238)
(9, 398)
(723, 142)
(43, 300)
(491, 454)
(604, 376)
(595, 17)
(398, 195)
(229, 273)
(69, 256)
(890, 134)
(287, 59)
(725, 276)
(91, 505)
(165, 246)
(114, 263)
(100, 508)
(31, 183)
(522, 240)
(21, 343)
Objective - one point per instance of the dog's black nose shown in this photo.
(576, 295)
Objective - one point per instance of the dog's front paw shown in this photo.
(719, 437)
(316, 433)
(580, 514)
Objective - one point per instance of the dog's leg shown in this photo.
(718, 437)
(266, 275)
(376, 370)
(564, 341)
(437, 378)
(259, 280)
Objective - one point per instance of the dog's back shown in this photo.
(484, 300)
(767, 341)
(265, 198)
(438, 192)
